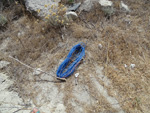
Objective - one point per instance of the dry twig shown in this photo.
(63, 79)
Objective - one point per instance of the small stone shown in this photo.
(43, 29)
(125, 65)
(19, 34)
(3, 64)
(132, 65)
(28, 27)
(62, 36)
(37, 71)
(105, 3)
(76, 75)
(124, 7)
(127, 20)
(100, 46)
(76, 81)
(71, 15)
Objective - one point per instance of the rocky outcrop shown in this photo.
(10, 102)
(42, 7)
(88, 4)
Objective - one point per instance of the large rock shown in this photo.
(41, 6)
(88, 4)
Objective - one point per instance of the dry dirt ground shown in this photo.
(105, 85)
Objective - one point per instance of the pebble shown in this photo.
(76, 75)
(105, 3)
(124, 7)
(100, 46)
(132, 65)
(125, 65)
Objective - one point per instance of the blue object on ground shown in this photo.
(68, 66)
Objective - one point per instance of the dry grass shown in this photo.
(79, 31)
(125, 40)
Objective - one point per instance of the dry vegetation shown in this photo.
(125, 39)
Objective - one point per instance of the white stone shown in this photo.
(132, 65)
(100, 46)
(19, 34)
(3, 64)
(124, 6)
(71, 15)
(37, 71)
(105, 3)
(76, 75)
(28, 27)
(125, 65)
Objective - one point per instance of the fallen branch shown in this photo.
(63, 79)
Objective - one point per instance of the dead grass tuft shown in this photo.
(79, 31)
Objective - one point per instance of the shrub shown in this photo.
(56, 15)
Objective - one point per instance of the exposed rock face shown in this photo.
(10, 101)
(3, 64)
(88, 4)
(42, 6)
